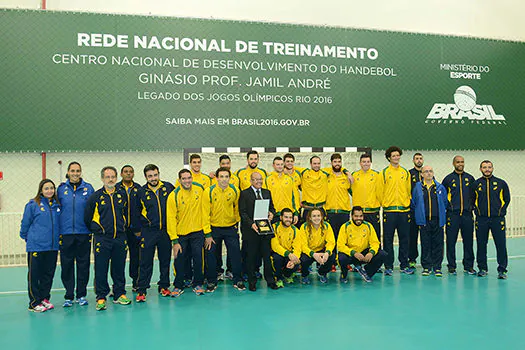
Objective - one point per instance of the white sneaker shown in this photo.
(47, 304)
(38, 308)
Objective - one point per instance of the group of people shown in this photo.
(310, 219)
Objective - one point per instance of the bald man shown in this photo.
(429, 203)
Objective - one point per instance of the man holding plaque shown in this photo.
(256, 229)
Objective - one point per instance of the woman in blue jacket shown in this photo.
(75, 237)
(40, 230)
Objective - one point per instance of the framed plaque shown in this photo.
(260, 216)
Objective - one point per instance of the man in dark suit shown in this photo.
(256, 245)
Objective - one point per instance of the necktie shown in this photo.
(259, 194)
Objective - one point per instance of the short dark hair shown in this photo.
(289, 155)
(417, 154)
(356, 208)
(286, 210)
(109, 167)
(365, 155)
(194, 156)
(485, 161)
(252, 152)
(335, 156)
(391, 149)
(223, 157)
(222, 169)
(182, 171)
(277, 158)
(150, 167)
(126, 166)
(313, 157)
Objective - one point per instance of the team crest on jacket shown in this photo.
(65, 193)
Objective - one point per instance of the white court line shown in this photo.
(129, 285)
(52, 290)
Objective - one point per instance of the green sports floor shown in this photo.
(399, 312)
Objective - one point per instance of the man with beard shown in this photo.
(415, 177)
(338, 197)
(461, 191)
(105, 215)
(491, 201)
(286, 249)
(357, 244)
(314, 187)
(244, 174)
(151, 209)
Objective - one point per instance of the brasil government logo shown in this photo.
(464, 110)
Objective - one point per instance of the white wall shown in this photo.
(501, 19)
(22, 171)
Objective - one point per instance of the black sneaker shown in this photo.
(211, 287)
(502, 275)
(452, 271)
(482, 273)
(470, 271)
(239, 286)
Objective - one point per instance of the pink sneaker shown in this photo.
(47, 304)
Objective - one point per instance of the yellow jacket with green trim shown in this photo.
(367, 190)
(222, 206)
(315, 240)
(184, 212)
(285, 240)
(354, 239)
(396, 189)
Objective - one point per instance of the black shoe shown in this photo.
(273, 285)
(211, 287)
(239, 286)
(252, 286)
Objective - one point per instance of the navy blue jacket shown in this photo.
(41, 225)
(418, 204)
(131, 196)
(492, 197)
(415, 177)
(151, 206)
(460, 192)
(73, 202)
(106, 213)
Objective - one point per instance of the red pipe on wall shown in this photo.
(44, 165)
(43, 4)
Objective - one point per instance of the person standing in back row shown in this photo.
(415, 177)
(396, 207)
